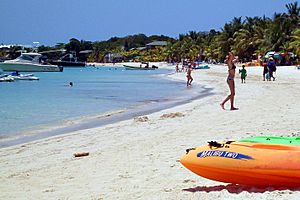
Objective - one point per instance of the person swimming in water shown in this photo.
(230, 81)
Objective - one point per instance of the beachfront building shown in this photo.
(151, 45)
(113, 57)
(156, 44)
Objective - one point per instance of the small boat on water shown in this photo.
(29, 62)
(141, 66)
(28, 77)
(202, 67)
(254, 164)
(6, 78)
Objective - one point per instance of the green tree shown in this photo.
(294, 45)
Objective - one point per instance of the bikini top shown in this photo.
(233, 67)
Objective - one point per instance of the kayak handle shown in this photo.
(188, 150)
(218, 145)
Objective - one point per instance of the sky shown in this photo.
(55, 21)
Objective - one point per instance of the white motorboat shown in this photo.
(29, 62)
(29, 77)
(6, 78)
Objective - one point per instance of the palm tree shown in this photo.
(293, 12)
(226, 38)
(260, 38)
(294, 45)
(249, 38)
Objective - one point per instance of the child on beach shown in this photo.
(243, 73)
(177, 68)
(265, 71)
(182, 68)
(189, 76)
(268, 76)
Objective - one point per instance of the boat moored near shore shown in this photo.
(28, 77)
(141, 66)
(68, 60)
(29, 62)
(6, 78)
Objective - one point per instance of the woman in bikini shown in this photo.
(230, 81)
(189, 76)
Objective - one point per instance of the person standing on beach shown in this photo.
(265, 71)
(243, 73)
(230, 81)
(189, 76)
(177, 68)
(182, 68)
(272, 68)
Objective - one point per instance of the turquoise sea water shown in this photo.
(26, 105)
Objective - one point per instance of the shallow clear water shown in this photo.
(27, 104)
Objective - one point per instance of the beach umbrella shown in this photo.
(269, 54)
(273, 54)
(277, 56)
(290, 54)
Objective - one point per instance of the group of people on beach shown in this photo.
(182, 69)
(268, 74)
(230, 60)
(269, 69)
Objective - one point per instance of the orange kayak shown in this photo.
(245, 163)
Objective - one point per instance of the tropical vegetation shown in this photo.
(247, 38)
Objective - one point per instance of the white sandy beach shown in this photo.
(139, 160)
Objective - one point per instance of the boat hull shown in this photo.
(6, 79)
(128, 67)
(29, 67)
(68, 64)
(247, 164)
(27, 78)
(202, 67)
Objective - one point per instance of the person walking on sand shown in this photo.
(271, 68)
(182, 67)
(177, 68)
(230, 81)
(265, 71)
(243, 73)
(189, 76)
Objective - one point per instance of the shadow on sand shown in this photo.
(236, 189)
